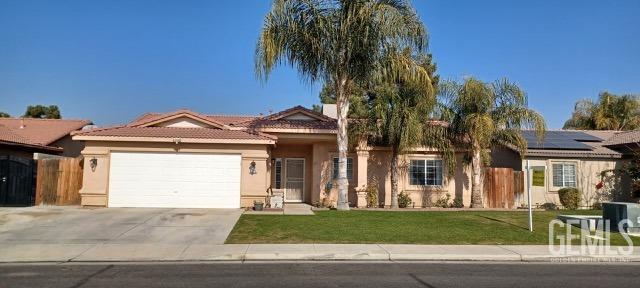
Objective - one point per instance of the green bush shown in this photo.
(596, 206)
(372, 195)
(549, 206)
(569, 198)
(457, 203)
(443, 201)
(404, 200)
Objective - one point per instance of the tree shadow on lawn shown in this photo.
(505, 222)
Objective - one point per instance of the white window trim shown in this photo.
(443, 175)
(576, 170)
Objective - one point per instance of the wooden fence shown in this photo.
(501, 185)
(59, 181)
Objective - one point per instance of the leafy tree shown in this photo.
(342, 42)
(630, 169)
(45, 112)
(4, 115)
(610, 112)
(484, 115)
(399, 119)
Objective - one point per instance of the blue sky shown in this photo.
(110, 61)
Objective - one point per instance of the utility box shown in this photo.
(618, 211)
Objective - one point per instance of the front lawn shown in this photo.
(433, 227)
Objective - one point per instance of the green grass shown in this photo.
(436, 227)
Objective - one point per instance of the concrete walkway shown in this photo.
(289, 209)
(293, 252)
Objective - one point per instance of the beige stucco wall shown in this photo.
(72, 148)
(95, 188)
(457, 185)
(588, 175)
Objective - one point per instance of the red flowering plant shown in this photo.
(630, 169)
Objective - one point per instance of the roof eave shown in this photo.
(33, 146)
(174, 140)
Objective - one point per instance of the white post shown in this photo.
(529, 196)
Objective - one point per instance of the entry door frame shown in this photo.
(284, 181)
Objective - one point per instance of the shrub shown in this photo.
(457, 203)
(549, 206)
(372, 195)
(569, 198)
(443, 201)
(596, 206)
(404, 200)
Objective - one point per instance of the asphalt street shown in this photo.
(321, 274)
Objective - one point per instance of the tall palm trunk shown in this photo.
(394, 177)
(476, 193)
(342, 105)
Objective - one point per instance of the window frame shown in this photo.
(277, 172)
(439, 178)
(564, 174)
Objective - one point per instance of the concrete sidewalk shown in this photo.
(293, 252)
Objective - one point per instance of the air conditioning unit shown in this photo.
(618, 211)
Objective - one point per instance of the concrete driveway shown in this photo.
(75, 225)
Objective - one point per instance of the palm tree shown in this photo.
(610, 112)
(484, 115)
(400, 119)
(617, 112)
(341, 42)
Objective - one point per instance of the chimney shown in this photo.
(22, 123)
(330, 110)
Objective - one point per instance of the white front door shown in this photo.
(174, 180)
(294, 180)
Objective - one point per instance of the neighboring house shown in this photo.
(28, 137)
(628, 141)
(567, 158)
(187, 159)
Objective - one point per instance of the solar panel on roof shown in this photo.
(559, 140)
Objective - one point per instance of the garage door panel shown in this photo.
(174, 180)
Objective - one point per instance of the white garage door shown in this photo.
(174, 180)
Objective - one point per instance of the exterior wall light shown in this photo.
(252, 168)
(93, 163)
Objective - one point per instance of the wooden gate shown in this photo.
(17, 181)
(59, 181)
(501, 186)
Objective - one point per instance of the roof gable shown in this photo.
(299, 113)
(180, 118)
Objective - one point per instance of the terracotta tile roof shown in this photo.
(299, 109)
(8, 136)
(277, 120)
(224, 119)
(42, 131)
(175, 132)
(289, 124)
(232, 119)
(623, 138)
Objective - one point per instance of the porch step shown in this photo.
(297, 209)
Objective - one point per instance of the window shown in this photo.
(278, 172)
(564, 175)
(349, 168)
(425, 172)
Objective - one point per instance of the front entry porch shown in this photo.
(302, 170)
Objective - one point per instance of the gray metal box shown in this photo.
(618, 211)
